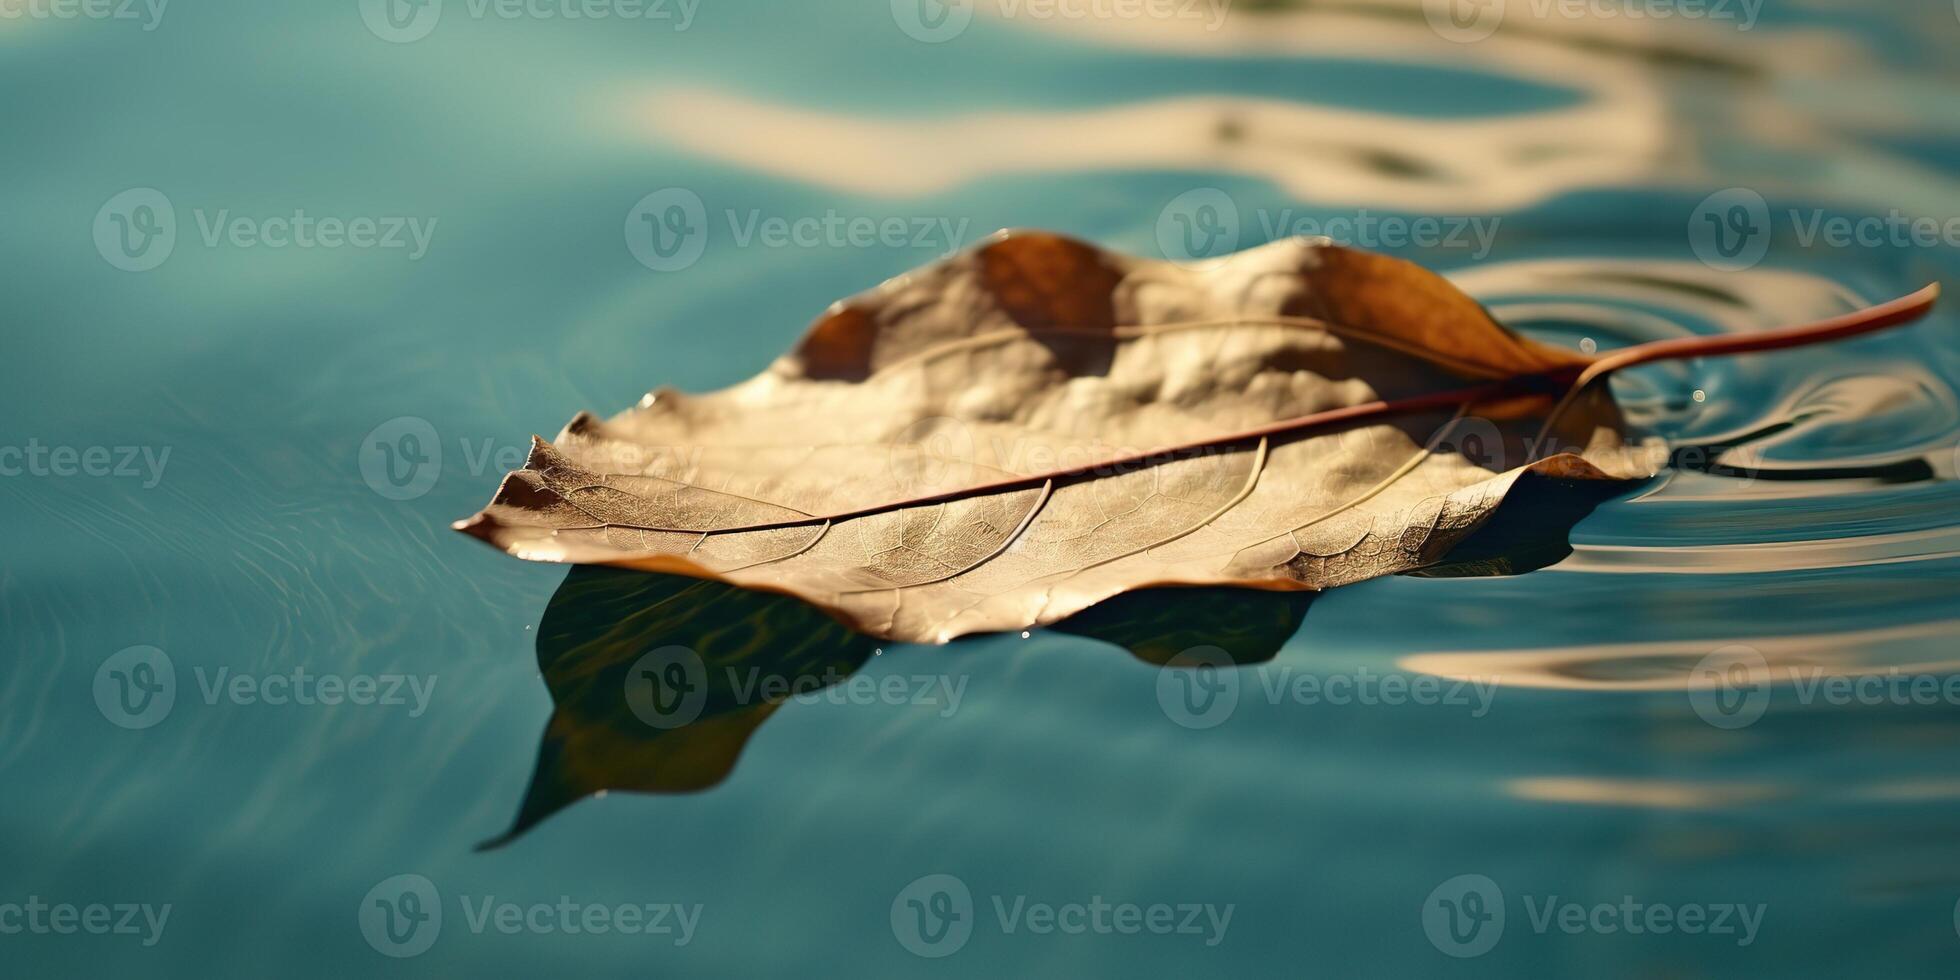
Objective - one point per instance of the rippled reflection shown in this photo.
(659, 681)
(1669, 666)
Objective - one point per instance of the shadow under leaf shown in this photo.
(658, 681)
(1156, 625)
(1532, 530)
(603, 622)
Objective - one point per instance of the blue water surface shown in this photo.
(256, 531)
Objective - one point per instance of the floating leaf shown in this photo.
(1005, 438)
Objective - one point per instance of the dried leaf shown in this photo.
(1008, 437)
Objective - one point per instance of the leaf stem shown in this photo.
(1871, 319)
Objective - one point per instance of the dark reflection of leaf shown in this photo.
(1531, 531)
(1158, 624)
(602, 621)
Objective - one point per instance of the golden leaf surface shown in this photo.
(1002, 439)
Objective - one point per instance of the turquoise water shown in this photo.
(259, 545)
